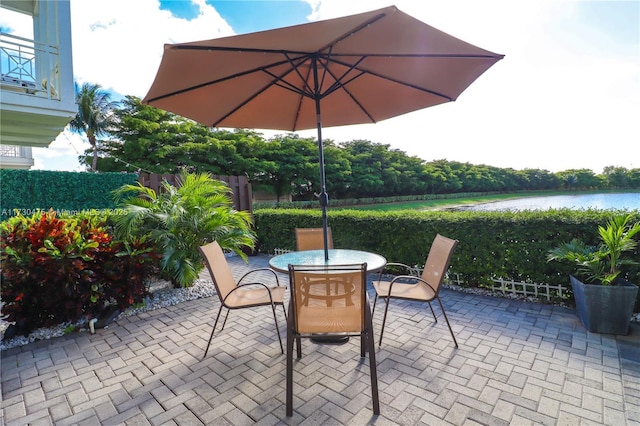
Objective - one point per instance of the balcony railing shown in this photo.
(15, 151)
(15, 157)
(29, 66)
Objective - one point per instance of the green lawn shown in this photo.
(449, 203)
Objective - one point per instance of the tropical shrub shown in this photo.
(56, 269)
(125, 270)
(602, 263)
(179, 219)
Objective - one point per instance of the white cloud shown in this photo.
(566, 95)
(119, 43)
(62, 154)
(16, 23)
(556, 101)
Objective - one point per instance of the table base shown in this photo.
(332, 339)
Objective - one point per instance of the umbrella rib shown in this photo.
(325, 71)
(413, 86)
(288, 86)
(238, 49)
(420, 55)
(306, 53)
(283, 51)
(353, 31)
(342, 84)
(305, 80)
(338, 80)
(278, 81)
(228, 77)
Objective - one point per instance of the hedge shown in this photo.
(509, 245)
(32, 190)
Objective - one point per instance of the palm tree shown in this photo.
(94, 117)
(182, 218)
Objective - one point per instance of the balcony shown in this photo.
(15, 157)
(22, 61)
(36, 78)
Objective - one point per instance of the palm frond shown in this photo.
(180, 218)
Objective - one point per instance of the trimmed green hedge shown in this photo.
(30, 190)
(510, 245)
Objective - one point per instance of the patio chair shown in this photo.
(239, 295)
(424, 288)
(343, 312)
(312, 239)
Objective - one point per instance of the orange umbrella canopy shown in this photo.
(351, 70)
(356, 69)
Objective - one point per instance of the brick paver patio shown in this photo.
(518, 363)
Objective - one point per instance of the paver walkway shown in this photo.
(518, 363)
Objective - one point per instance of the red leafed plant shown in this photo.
(56, 270)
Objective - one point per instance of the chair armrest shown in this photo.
(239, 286)
(411, 277)
(259, 270)
(397, 264)
(406, 267)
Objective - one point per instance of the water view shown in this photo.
(624, 201)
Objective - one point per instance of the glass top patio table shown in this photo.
(281, 262)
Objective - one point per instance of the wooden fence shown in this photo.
(240, 187)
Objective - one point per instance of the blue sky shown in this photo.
(246, 16)
(567, 94)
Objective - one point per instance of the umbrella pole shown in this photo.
(323, 197)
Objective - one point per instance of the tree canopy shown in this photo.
(148, 139)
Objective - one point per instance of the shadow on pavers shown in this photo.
(629, 345)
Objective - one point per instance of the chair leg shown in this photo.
(447, 320)
(384, 319)
(214, 329)
(225, 319)
(433, 312)
(375, 300)
(289, 380)
(299, 347)
(273, 307)
(373, 370)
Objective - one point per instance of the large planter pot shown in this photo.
(605, 309)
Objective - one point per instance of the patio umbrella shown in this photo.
(355, 69)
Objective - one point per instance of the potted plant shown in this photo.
(604, 300)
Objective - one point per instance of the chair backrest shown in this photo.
(218, 267)
(312, 239)
(328, 299)
(438, 260)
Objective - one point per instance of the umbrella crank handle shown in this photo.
(323, 198)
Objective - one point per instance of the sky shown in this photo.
(566, 95)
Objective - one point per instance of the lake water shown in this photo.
(625, 201)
